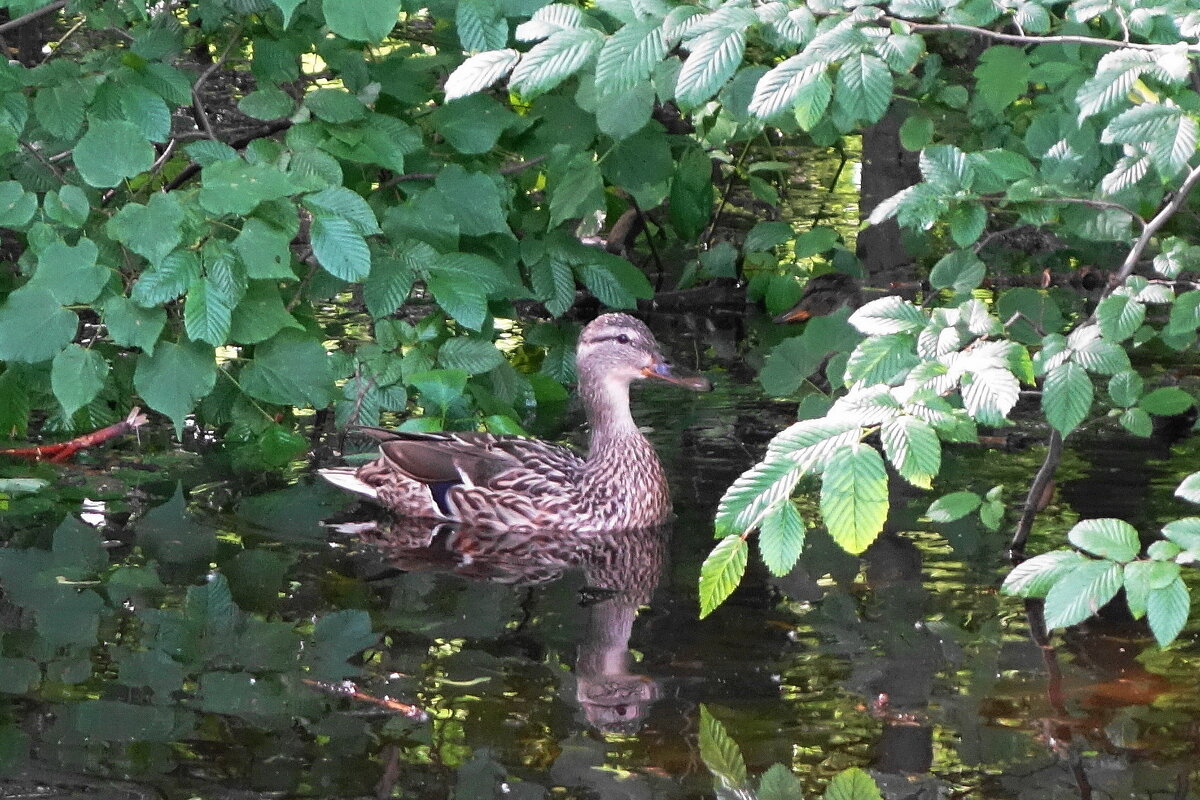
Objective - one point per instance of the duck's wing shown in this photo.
(471, 458)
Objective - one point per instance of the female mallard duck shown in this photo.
(517, 483)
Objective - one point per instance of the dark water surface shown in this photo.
(182, 638)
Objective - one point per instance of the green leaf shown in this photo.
(69, 206)
(1166, 401)
(1137, 422)
(235, 187)
(474, 356)
(479, 72)
(475, 199)
(460, 296)
(267, 104)
(1066, 397)
(473, 124)
(71, 273)
(721, 572)
(1102, 357)
(60, 109)
(989, 394)
(953, 506)
(1035, 307)
(338, 201)
(576, 191)
(361, 20)
(339, 248)
(554, 283)
(854, 496)
(480, 25)
(852, 784)
(17, 206)
(1113, 539)
(967, 222)
(208, 312)
(153, 230)
(259, 315)
(781, 538)
(912, 445)
(1002, 76)
(890, 314)
(961, 270)
(174, 378)
(614, 281)
(629, 56)
(720, 753)
(789, 365)
(714, 57)
(864, 88)
(264, 250)
(392, 276)
(791, 82)
(167, 281)
(1119, 317)
(110, 152)
(147, 111)
(758, 489)
(77, 376)
(1167, 611)
(1115, 77)
(130, 325)
(1035, 576)
(882, 359)
(439, 388)
(34, 326)
(1080, 594)
(290, 369)
(1189, 488)
(554, 60)
(778, 783)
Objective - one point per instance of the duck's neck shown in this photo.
(613, 428)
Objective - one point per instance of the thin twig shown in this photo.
(1101, 205)
(197, 104)
(1037, 489)
(32, 15)
(1032, 40)
(33, 151)
(1151, 228)
(62, 40)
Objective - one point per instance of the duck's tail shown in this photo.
(347, 478)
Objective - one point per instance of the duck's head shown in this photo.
(619, 348)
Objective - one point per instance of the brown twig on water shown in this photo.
(348, 689)
(60, 452)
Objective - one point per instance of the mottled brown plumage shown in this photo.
(518, 483)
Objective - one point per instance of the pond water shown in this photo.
(183, 633)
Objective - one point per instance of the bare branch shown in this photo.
(1152, 227)
(32, 15)
(1013, 38)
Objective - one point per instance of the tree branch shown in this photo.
(1013, 38)
(1152, 227)
(32, 15)
(1037, 491)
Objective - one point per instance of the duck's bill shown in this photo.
(663, 371)
(794, 315)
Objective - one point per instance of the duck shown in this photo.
(824, 295)
(518, 483)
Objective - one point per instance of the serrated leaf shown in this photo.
(961, 270)
(1119, 316)
(1189, 488)
(758, 489)
(208, 312)
(629, 56)
(1125, 388)
(175, 378)
(863, 89)
(1127, 172)
(778, 783)
(854, 496)
(1066, 397)
(989, 394)
(554, 60)
(713, 59)
(946, 168)
(292, 369)
(720, 753)
(721, 572)
(1080, 594)
(953, 506)
(1114, 539)
(110, 152)
(1166, 401)
(852, 784)
(1167, 611)
(474, 356)
(1115, 77)
(890, 314)
(1035, 576)
(339, 248)
(361, 20)
(76, 376)
(781, 538)
(34, 327)
(913, 448)
(779, 89)
(882, 359)
(479, 72)
(480, 24)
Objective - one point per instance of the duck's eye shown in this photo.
(623, 339)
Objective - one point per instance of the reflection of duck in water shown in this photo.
(513, 482)
(824, 295)
(621, 571)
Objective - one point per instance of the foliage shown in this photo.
(1083, 123)
(723, 758)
